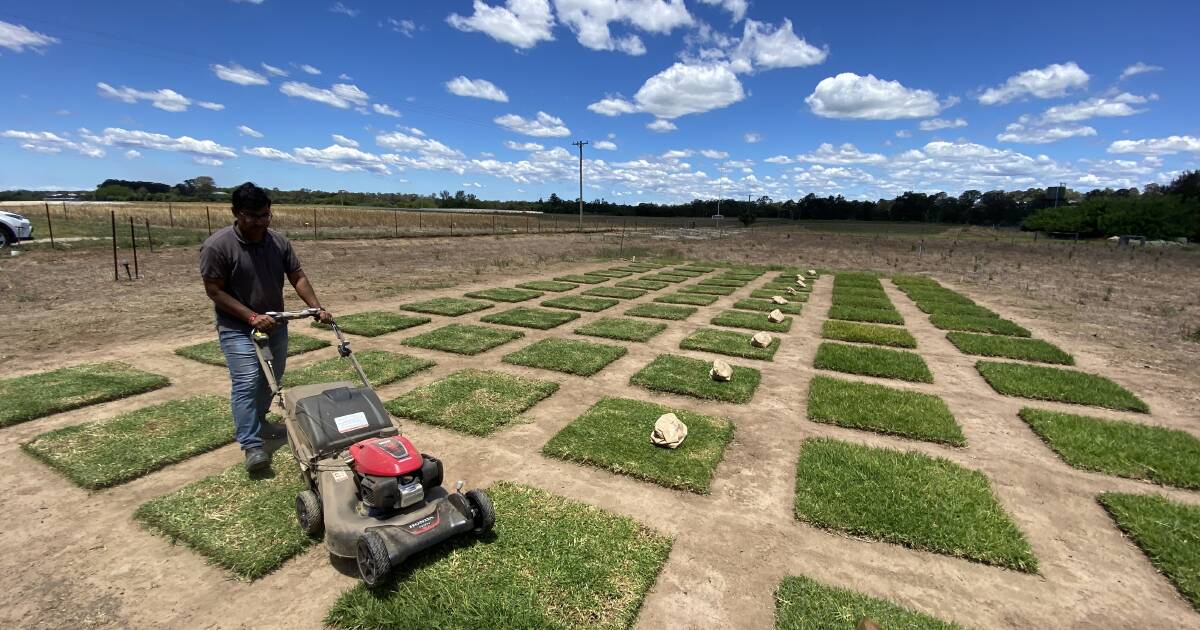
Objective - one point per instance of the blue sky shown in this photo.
(679, 99)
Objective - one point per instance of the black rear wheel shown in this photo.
(310, 514)
(7, 237)
(485, 514)
(373, 562)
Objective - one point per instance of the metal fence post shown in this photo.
(133, 243)
(113, 216)
(50, 226)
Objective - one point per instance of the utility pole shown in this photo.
(580, 143)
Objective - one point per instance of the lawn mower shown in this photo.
(377, 498)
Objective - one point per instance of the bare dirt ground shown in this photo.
(77, 559)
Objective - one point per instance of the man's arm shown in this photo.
(305, 290)
(215, 288)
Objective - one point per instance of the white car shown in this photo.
(13, 228)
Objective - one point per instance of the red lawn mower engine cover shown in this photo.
(389, 472)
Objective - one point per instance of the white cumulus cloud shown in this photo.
(1099, 107)
(523, 146)
(476, 88)
(343, 141)
(50, 143)
(1053, 81)
(165, 99)
(845, 154)
(338, 7)
(247, 131)
(385, 110)
(118, 137)
(310, 69)
(612, 106)
(542, 126)
(1157, 146)
(661, 125)
(765, 47)
(713, 154)
(589, 20)
(1019, 132)
(849, 95)
(1139, 68)
(736, 8)
(520, 23)
(236, 73)
(279, 72)
(605, 145)
(752, 137)
(132, 154)
(935, 124)
(689, 89)
(341, 95)
(17, 38)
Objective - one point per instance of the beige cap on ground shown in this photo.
(721, 371)
(761, 340)
(812, 272)
(801, 283)
(792, 290)
(669, 431)
(779, 299)
(775, 316)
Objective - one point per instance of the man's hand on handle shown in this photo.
(324, 316)
(262, 323)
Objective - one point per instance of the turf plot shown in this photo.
(661, 311)
(882, 409)
(505, 294)
(690, 377)
(448, 306)
(694, 299)
(869, 361)
(547, 285)
(728, 342)
(621, 328)
(868, 333)
(380, 366)
(1009, 348)
(539, 318)
(210, 351)
(371, 324)
(623, 293)
(1059, 385)
(751, 321)
(582, 279)
(477, 402)
(27, 397)
(1166, 531)
(581, 303)
(463, 338)
(566, 355)
(804, 604)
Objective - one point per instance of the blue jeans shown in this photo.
(250, 395)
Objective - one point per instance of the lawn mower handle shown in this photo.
(289, 315)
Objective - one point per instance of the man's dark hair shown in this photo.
(249, 198)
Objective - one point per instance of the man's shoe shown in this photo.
(271, 431)
(257, 459)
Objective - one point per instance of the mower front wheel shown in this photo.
(485, 514)
(373, 562)
(309, 513)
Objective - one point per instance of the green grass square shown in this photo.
(869, 361)
(882, 409)
(448, 306)
(1166, 531)
(661, 311)
(463, 338)
(614, 434)
(631, 270)
(734, 344)
(641, 283)
(547, 285)
(477, 402)
(694, 299)
(505, 294)
(990, 325)
(621, 328)
(566, 355)
(611, 273)
(707, 289)
(803, 604)
(868, 333)
(539, 318)
(878, 303)
(581, 303)
(1009, 348)
(380, 366)
(751, 321)
(210, 351)
(1059, 385)
(766, 294)
(908, 499)
(1123, 449)
(861, 314)
(623, 293)
(109, 452)
(582, 279)
(683, 375)
(766, 306)
(551, 563)
(696, 268)
(679, 271)
(28, 397)
(664, 277)
(955, 308)
(242, 523)
(371, 323)
(718, 281)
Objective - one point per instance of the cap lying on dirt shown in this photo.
(669, 431)
(775, 316)
(761, 340)
(779, 299)
(721, 371)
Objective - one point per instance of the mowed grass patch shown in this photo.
(683, 375)
(990, 325)
(861, 314)
(28, 397)
(611, 273)
(642, 283)
(551, 563)
(505, 294)
(210, 351)
(908, 499)
(751, 321)
(477, 402)
(447, 306)
(242, 523)
(663, 277)
(697, 268)
(622, 293)
(764, 294)
(734, 344)
(707, 289)
(567, 355)
(1059, 385)
(776, 287)
(957, 309)
(804, 604)
(371, 323)
(1168, 532)
(612, 435)
(661, 311)
(380, 366)
(679, 271)
(882, 409)
(581, 303)
(867, 333)
(694, 299)
(868, 361)
(766, 306)
(463, 338)
(1010, 348)
(539, 318)
(1120, 448)
(109, 452)
(732, 283)
(621, 328)
(547, 285)
(582, 279)
(882, 304)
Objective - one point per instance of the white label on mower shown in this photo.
(351, 422)
(340, 476)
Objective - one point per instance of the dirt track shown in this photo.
(75, 559)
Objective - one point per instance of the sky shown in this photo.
(677, 99)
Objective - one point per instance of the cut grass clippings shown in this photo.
(804, 604)
(868, 333)
(566, 355)
(551, 563)
(109, 452)
(547, 285)
(990, 325)
(612, 435)
(1059, 385)
(908, 499)
(463, 338)
(28, 397)
(1168, 532)
(882, 409)
(581, 303)
(380, 366)
(861, 314)
(504, 294)
(539, 318)
(661, 311)
(371, 324)
(694, 299)
(751, 321)
(734, 344)
(649, 285)
(210, 351)
(766, 306)
(477, 402)
(868, 361)
(622, 293)
(245, 524)
(582, 279)
(447, 306)
(1010, 348)
(1116, 447)
(683, 375)
(621, 328)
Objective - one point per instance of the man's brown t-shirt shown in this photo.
(253, 272)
